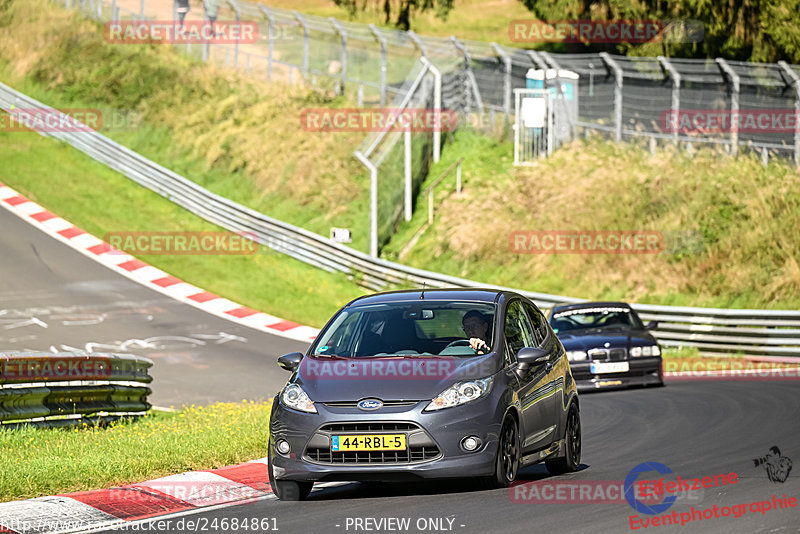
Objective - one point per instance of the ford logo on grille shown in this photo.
(369, 404)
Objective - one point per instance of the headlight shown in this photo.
(650, 350)
(460, 393)
(576, 355)
(294, 397)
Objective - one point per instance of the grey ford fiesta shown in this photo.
(417, 384)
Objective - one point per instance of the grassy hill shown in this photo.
(242, 140)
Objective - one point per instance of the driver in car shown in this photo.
(476, 327)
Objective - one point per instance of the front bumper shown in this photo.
(444, 430)
(645, 371)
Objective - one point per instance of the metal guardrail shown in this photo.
(711, 330)
(63, 388)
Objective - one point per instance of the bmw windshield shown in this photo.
(408, 329)
(589, 318)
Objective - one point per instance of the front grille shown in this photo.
(616, 355)
(354, 404)
(607, 355)
(413, 454)
(421, 447)
(375, 426)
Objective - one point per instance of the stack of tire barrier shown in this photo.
(65, 389)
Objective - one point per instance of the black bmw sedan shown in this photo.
(607, 345)
(408, 385)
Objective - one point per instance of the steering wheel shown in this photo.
(458, 343)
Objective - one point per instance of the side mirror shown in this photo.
(532, 356)
(291, 361)
(652, 325)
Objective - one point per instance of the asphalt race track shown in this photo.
(696, 429)
(52, 296)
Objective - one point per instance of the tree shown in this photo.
(403, 9)
(757, 30)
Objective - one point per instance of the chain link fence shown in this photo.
(623, 98)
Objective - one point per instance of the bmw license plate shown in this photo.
(371, 442)
(609, 367)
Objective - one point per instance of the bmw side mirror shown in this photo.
(652, 325)
(532, 356)
(291, 361)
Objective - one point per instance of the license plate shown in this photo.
(610, 383)
(369, 442)
(609, 367)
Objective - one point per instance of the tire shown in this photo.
(571, 460)
(288, 490)
(507, 460)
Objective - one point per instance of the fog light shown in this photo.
(283, 446)
(471, 443)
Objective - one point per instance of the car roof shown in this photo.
(593, 304)
(417, 295)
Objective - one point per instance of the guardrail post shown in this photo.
(506, 59)
(407, 169)
(270, 38)
(676, 91)
(734, 82)
(343, 35)
(615, 68)
(373, 202)
(382, 40)
(238, 31)
(418, 43)
(796, 82)
(304, 25)
(458, 177)
(437, 109)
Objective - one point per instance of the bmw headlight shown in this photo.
(294, 397)
(460, 393)
(650, 350)
(576, 355)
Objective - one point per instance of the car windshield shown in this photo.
(407, 329)
(600, 317)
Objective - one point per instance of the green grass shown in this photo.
(39, 462)
(745, 216)
(234, 135)
(100, 200)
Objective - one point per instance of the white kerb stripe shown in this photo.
(202, 488)
(149, 273)
(182, 290)
(50, 514)
(27, 208)
(7, 192)
(56, 225)
(86, 241)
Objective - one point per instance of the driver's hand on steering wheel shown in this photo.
(477, 343)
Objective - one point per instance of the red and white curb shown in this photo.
(148, 275)
(175, 495)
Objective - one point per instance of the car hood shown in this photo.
(591, 338)
(388, 378)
